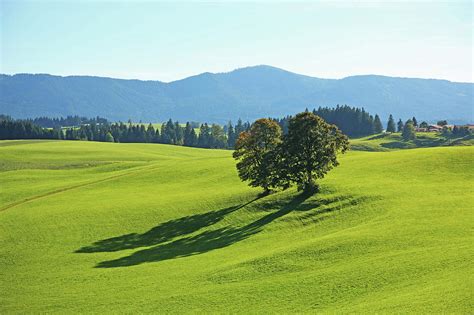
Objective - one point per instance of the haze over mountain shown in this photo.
(248, 93)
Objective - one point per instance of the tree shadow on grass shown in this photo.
(208, 240)
(201, 243)
(162, 233)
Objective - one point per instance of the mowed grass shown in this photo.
(107, 228)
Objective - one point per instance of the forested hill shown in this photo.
(248, 93)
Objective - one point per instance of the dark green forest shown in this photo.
(352, 121)
(171, 132)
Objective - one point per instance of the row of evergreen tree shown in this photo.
(172, 132)
(400, 125)
(68, 121)
(356, 122)
(352, 121)
(21, 129)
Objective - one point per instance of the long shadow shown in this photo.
(201, 243)
(162, 233)
(222, 237)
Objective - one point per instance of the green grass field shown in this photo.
(394, 141)
(122, 228)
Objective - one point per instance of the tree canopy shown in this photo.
(310, 149)
(254, 149)
(302, 156)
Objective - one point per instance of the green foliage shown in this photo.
(391, 124)
(204, 136)
(218, 138)
(254, 151)
(168, 133)
(378, 128)
(400, 125)
(461, 131)
(18, 129)
(69, 121)
(190, 138)
(305, 154)
(310, 149)
(352, 121)
(447, 132)
(408, 131)
(109, 137)
(231, 135)
(172, 132)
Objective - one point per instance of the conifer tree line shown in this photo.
(172, 132)
(16, 129)
(68, 121)
(352, 121)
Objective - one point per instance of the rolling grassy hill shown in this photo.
(394, 141)
(104, 227)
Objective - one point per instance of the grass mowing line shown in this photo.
(57, 191)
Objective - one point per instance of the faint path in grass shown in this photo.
(64, 189)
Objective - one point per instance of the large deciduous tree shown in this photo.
(255, 151)
(310, 150)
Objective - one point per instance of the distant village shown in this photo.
(443, 126)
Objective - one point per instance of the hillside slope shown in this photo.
(394, 141)
(139, 228)
(248, 93)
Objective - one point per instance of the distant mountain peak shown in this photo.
(248, 93)
(263, 68)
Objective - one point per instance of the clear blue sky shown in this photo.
(168, 41)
